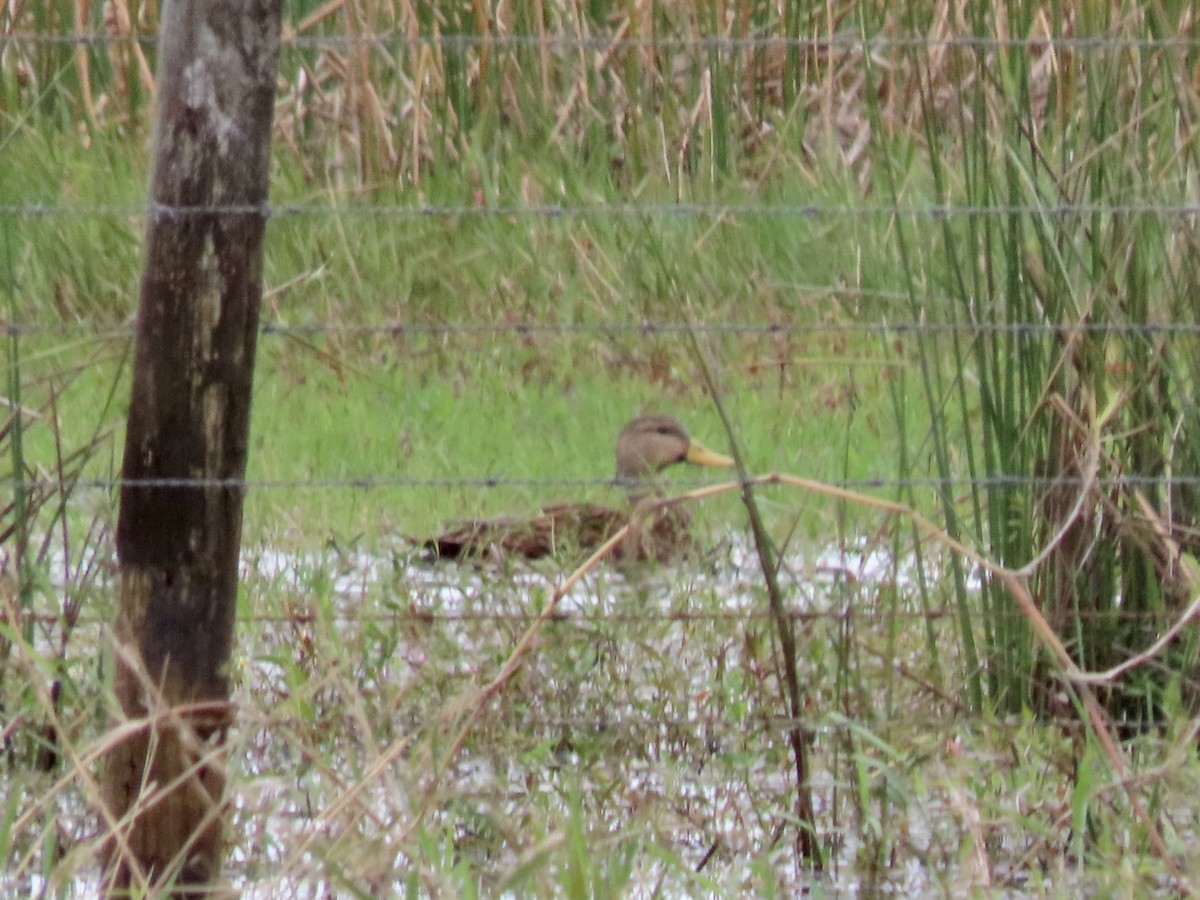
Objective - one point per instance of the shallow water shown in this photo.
(649, 702)
(673, 765)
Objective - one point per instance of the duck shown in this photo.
(646, 446)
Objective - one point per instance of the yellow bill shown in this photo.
(699, 455)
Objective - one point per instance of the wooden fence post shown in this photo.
(179, 527)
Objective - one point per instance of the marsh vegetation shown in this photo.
(939, 258)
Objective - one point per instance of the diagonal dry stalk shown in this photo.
(80, 769)
(807, 846)
(199, 775)
(1015, 582)
(522, 649)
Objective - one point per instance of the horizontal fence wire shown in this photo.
(646, 329)
(644, 210)
(375, 482)
(587, 619)
(840, 41)
(706, 726)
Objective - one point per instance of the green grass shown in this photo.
(489, 418)
(480, 403)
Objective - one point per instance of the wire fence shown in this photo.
(682, 211)
(1041, 47)
(923, 603)
(374, 482)
(898, 328)
(585, 618)
(842, 40)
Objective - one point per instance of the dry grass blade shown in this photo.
(808, 848)
(1013, 580)
(165, 729)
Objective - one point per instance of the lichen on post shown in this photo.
(179, 526)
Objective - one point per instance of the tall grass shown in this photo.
(1063, 387)
(15, 520)
(379, 93)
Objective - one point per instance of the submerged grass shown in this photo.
(985, 331)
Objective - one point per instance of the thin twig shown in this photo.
(807, 845)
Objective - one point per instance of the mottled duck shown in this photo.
(645, 446)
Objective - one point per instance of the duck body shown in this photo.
(646, 445)
(562, 527)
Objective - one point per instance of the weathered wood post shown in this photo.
(179, 527)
